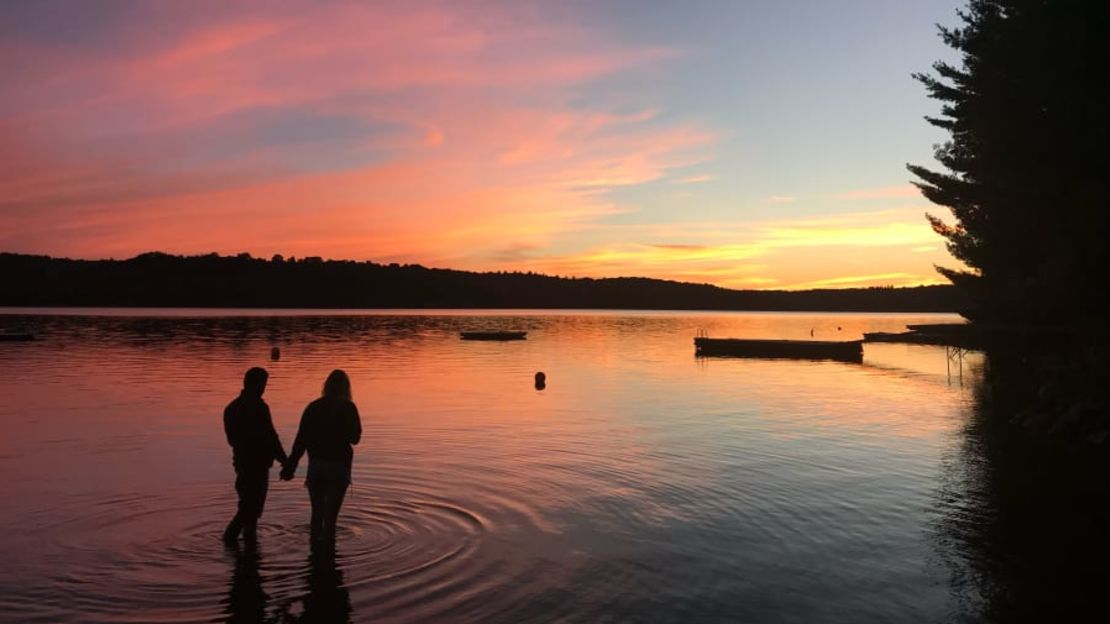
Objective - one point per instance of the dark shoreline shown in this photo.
(157, 280)
(252, 311)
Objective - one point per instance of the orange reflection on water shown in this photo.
(468, 481)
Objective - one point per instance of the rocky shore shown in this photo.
(1065, 392)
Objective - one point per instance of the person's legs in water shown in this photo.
(337, 492)
(256, 501)
(231, 533)
(252, 488)
(327, 498)
(317, 495)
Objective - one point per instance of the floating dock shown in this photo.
(942, 328)
(493, 335)
(958, 335)
(910, 337)
(843, 351)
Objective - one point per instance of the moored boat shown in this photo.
(493, 335)
(845, 351)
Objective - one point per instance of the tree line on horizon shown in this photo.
(163, 280)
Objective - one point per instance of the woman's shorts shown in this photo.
(327, 471)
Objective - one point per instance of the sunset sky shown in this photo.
(746, 143)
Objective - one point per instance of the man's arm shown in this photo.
(230, 428)
(275, 441)
(298, 449)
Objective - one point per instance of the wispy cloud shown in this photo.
(875, 279)
(391, 131)
(782, 199)
(807, 252)
(696, 179)
(884, 192)
(320, 131)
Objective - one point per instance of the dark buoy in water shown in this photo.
(541, 381)
(275, 354)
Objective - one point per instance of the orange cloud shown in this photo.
(815, 252)
(886, 279)
(382, 131)
(431, 134)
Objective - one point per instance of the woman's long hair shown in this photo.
(338, 385)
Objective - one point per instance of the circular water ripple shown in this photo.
(401, 552)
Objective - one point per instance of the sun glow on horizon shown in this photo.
(539, 138)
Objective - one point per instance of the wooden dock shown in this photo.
(958, 335)
(843, 351)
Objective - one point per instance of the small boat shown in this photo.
(844, 351)
(493, 335)
(16, 336)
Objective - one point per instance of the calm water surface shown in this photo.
(643, 484)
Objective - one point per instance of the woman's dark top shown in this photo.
(329, 426)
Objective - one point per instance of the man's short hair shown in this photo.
(255, 378)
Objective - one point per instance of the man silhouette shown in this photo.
(255, 446)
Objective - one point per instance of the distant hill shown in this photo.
(163, 280)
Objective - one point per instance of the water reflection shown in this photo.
(246, 601)
(1022, 519)
(641, 483)
(326, 599)
(323, 595)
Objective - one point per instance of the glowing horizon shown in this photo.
(564, 139)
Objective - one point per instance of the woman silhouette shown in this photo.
(329, 426)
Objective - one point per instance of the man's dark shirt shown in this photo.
(328, 428)
(250, 432)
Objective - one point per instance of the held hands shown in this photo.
(287, 471)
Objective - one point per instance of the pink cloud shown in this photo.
(358, 130)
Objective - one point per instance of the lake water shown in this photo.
(643, 484)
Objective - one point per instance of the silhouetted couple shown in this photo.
(329, 426)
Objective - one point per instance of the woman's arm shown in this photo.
(355, 433)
